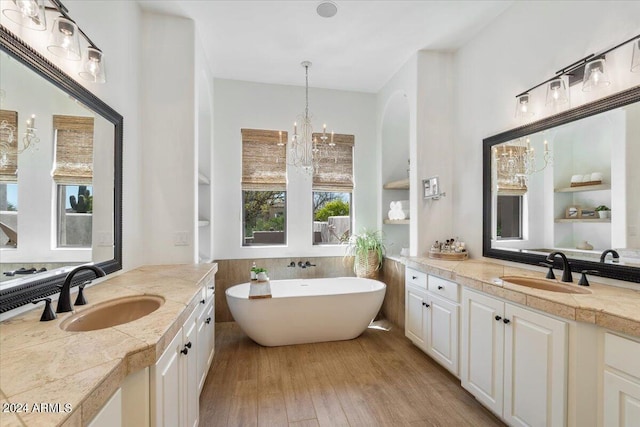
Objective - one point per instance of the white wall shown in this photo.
(524, 46)
(240, 105)
(167, 86)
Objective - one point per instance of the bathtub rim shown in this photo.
(383, 287)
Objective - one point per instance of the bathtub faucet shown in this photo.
(305, 265)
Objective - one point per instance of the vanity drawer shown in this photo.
(415, 278)
(444, 288)
(622, 354)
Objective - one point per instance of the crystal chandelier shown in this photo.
(305, 151)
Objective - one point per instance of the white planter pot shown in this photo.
(262, 276)
(604, 214)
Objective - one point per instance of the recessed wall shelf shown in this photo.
(605, 220)
(396, 221)
(402, 184)
(585, 188)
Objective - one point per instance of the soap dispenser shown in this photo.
(254, 275)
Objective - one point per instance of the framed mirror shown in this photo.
(60, 177)
(567, 183)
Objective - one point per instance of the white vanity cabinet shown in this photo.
(174, 380)
(621, 405)
(514, 360)
(431, 316)
(111, 413)
(206, 331)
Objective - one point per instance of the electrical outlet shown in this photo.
(181, 238)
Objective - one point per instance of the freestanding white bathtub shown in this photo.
(307, 310)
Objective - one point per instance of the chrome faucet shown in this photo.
(566, 269)
(614, 254)
(64, 302)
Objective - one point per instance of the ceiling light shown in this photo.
(327, 9)
(305, 151)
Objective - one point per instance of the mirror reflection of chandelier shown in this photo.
(516, 161)
(8, 143)
(305, 150)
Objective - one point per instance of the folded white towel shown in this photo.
(395, 214)
(596, 176)
(400, 205)
(576, 178)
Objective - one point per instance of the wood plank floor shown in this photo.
(378, 379)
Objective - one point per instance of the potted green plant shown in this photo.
(261, 274)
(603, 211)
(367, 248)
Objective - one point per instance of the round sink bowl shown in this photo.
(113, 312)
(546, 285)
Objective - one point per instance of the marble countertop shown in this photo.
(41, 363)
(611, 307)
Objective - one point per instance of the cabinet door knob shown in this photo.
(414, 277)
(506, 321)
(208, 320)
(424, 303)
(427, 305)
(440, 288)
(188, 345)
(498, 318)
(184, 351)
(202, 301)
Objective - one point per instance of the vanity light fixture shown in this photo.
(557, 93)
(93, 66)
(635, 57)
(595, 75)
(523, 108)
(590, 71)
(64, 40)
(28, 13)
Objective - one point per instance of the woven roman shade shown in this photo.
(264, 162)
(74, 150)
(8, 172)
(335, 172)
(508, 183)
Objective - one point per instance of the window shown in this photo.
(332, 192)
(73, 176)
(264, 184)
(8, 215)
(509, 217)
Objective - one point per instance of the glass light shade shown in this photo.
(28, 13)
(64, 41)
(595, 75)
(523, 109)
(635, 59)
(557, 92)
(93, 66)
